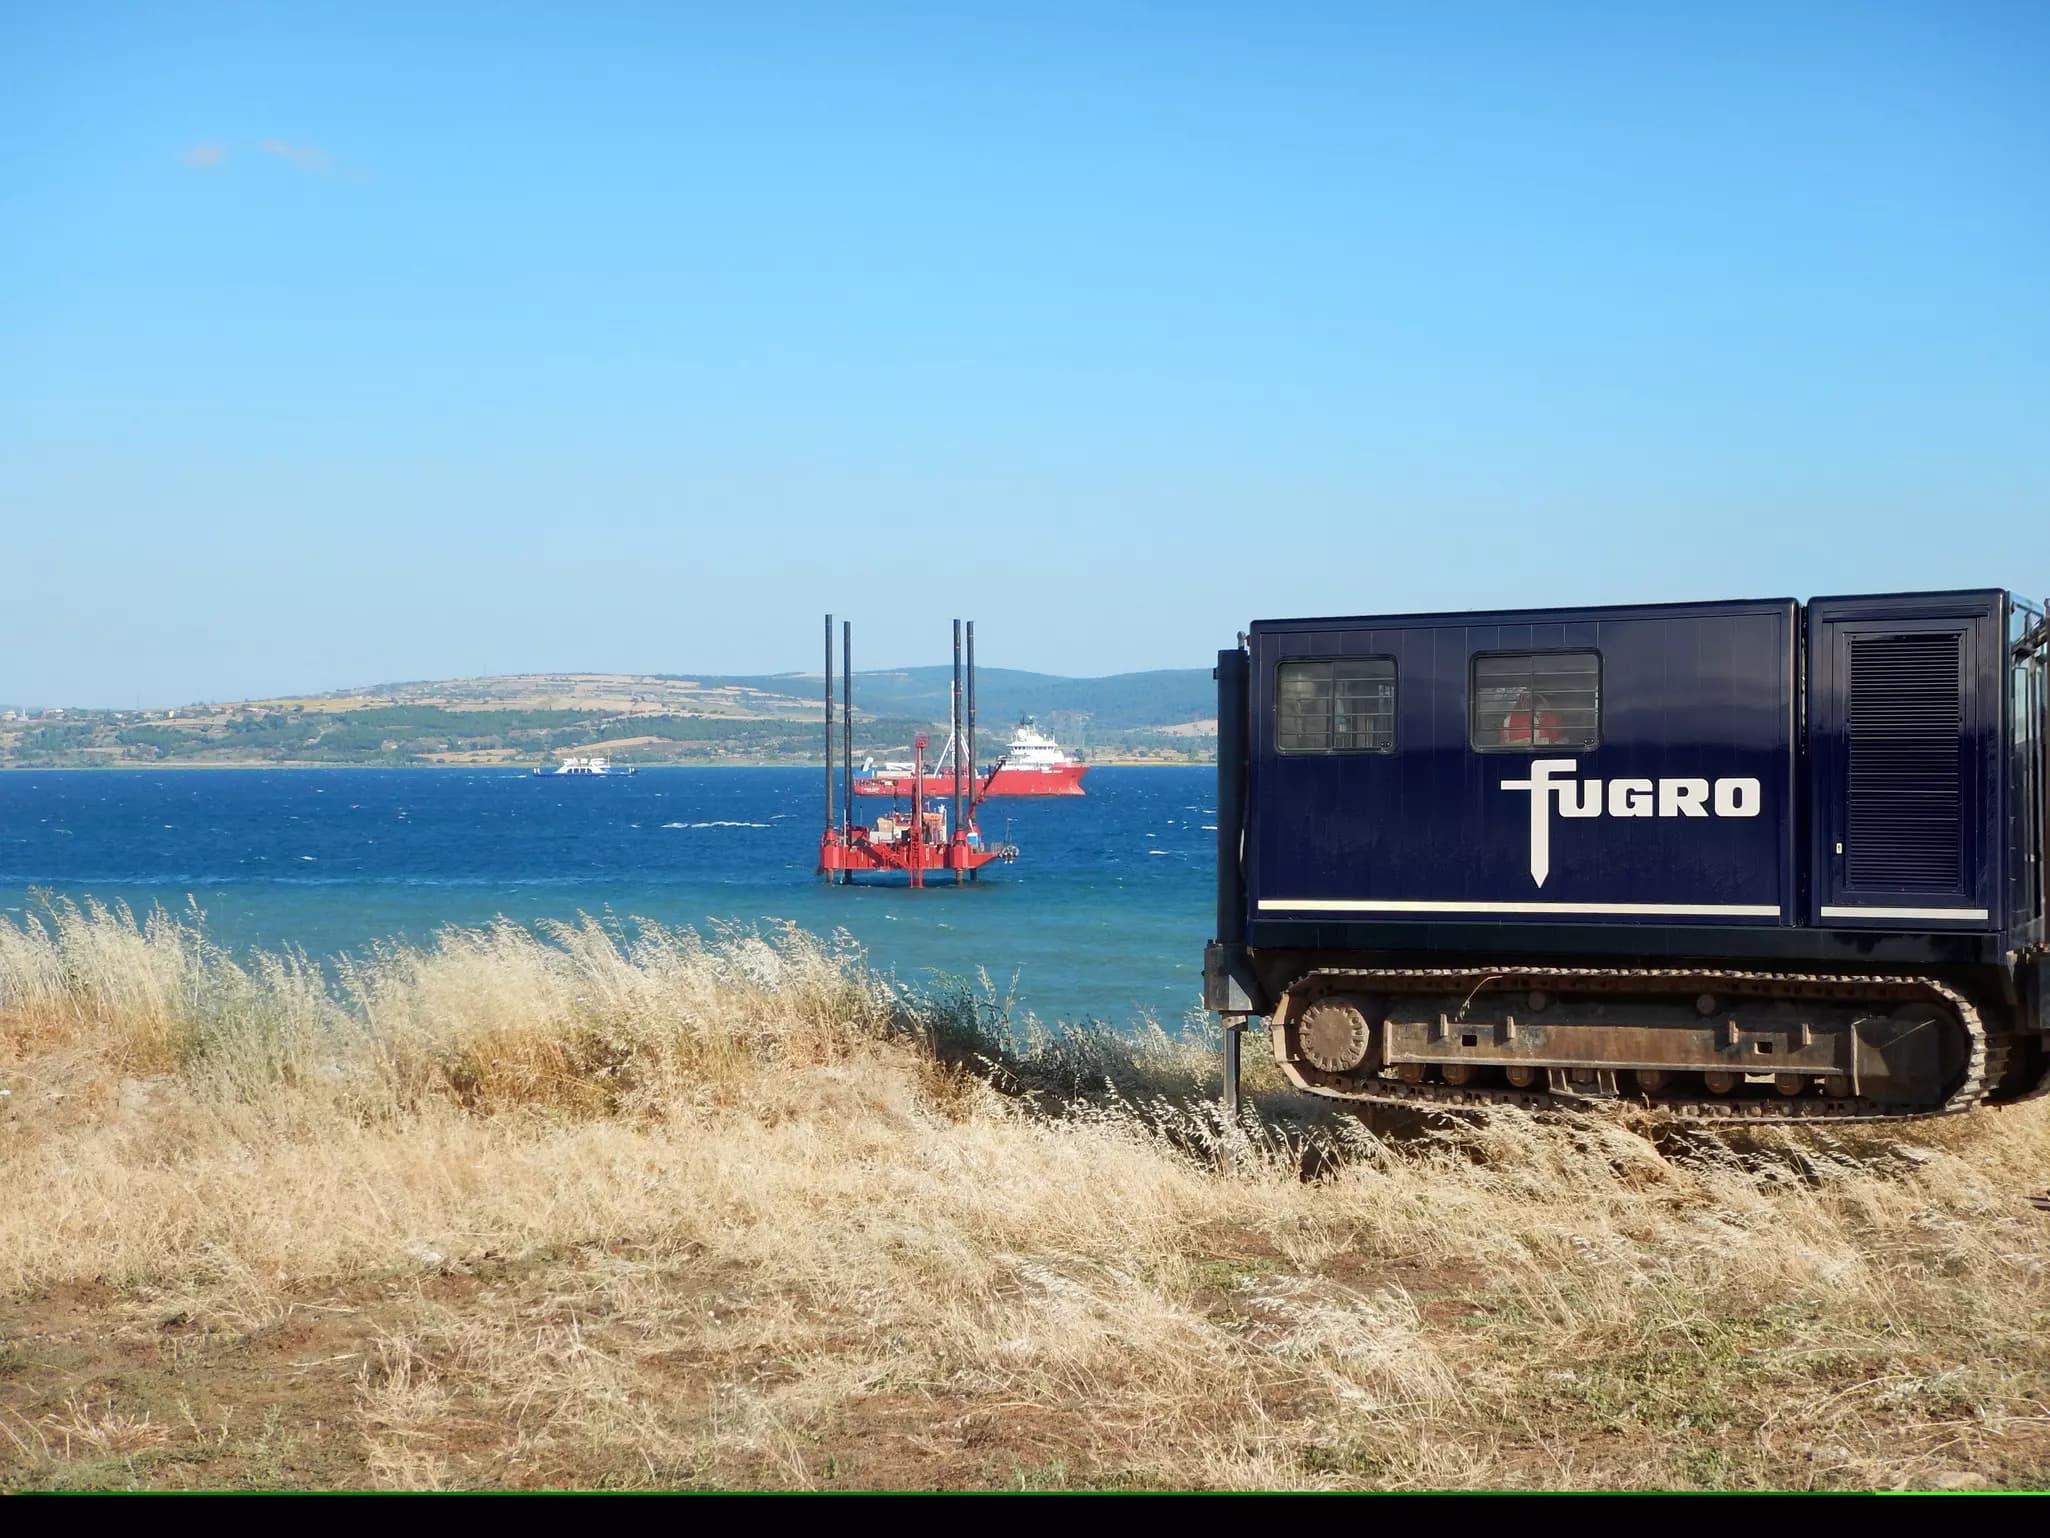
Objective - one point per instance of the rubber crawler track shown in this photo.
(1984, 1063)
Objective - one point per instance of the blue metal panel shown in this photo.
(1697, 718)
(1875, 893)
(2028, 771)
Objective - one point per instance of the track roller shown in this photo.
(1707, 1041)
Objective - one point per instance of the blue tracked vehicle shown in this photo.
(1767, 860)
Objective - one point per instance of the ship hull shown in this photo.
(1066, 780)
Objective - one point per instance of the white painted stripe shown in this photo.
(1905, 913)
(1351, 905)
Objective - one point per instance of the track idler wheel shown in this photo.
(1333, 1034)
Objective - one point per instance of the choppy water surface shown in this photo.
(1104, 914)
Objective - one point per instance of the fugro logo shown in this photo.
(1550, 780)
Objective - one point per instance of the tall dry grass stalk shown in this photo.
(641, 1207)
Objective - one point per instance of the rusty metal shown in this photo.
(1927, 1018)
(1458, 1073)
(1574, 1039)
(1653, 1081)
(1789, 1083)
(1333, 1034)
(1583, 1083)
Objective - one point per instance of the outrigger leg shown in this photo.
(1234, 1031)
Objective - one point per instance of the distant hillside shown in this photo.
(634, 718)
(1122, 702)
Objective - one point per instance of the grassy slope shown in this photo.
(769, 719)
(1119, 702)
(737, 1212)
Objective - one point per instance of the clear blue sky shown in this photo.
(354, 343)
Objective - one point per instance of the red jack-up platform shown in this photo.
(926, 842)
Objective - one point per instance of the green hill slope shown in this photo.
(1120, 702)
(633, 718)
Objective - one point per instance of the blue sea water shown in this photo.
(1103, 916)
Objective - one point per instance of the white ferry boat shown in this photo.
(587, 766)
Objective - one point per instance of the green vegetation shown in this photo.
(385, 734)
(1119, 702)
(763, 720)
(425, 734)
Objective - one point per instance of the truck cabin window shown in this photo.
(1343, 705)
(1528, 702)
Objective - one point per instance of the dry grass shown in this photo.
(672, 1211)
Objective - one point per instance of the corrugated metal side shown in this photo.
(1908, 762)
(1905, 792)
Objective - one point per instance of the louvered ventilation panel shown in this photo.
(1906, 788)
